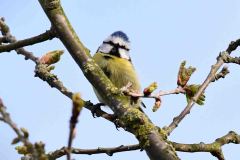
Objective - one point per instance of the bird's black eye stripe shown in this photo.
(116, 45)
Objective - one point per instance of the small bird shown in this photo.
(113, 58)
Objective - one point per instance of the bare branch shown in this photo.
(109, 151)
(14, 44)
(211, 76)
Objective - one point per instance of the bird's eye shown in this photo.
(114, 50)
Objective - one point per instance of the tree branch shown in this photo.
(109, 151)
(214, 148)
(14, 44)
(133, 119)
(211, 76)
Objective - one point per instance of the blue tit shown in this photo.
(113, 58)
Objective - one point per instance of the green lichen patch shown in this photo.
(138, 124)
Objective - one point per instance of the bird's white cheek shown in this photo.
(105, 48)
(124, 54)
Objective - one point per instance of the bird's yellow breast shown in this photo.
(119, 70)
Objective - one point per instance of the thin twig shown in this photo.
(109, 151)
(232, 46)
(155, 96)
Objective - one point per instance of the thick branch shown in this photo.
(135, 121)
(211, 76)
(14, 44)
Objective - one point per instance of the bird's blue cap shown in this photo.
(121, 35)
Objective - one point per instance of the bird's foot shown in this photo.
(96, 108)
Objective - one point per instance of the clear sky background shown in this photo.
(163, 33)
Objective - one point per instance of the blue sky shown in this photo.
(163, 33)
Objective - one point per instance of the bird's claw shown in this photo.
(96, 107)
